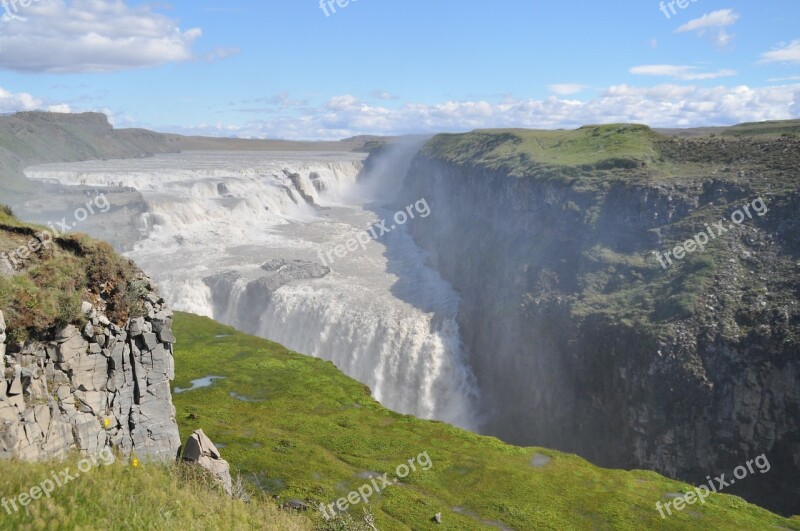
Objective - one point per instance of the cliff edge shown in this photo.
(585, 334)
(86, 347)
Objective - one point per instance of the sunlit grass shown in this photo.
(311, 433)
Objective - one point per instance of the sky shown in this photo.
(305, 69)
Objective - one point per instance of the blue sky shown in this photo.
(283, 69)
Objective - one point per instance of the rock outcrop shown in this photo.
(201, 451)
(253, 293)
(91, 387)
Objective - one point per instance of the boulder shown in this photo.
(201, 451)
(8, 414)
(42, 415)
(93, 402)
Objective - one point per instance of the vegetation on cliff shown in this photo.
(705, 342)
(46, 278)
(687, 184)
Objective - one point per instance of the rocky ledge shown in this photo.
(104, 385)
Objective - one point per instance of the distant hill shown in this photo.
(28, 138)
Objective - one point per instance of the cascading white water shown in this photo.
(379, 314)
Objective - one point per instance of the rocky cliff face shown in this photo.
(581, 341)
(86, 389)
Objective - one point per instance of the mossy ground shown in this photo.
(307, 431)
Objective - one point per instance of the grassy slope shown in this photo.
(309, 432)
(522, 151)
(583, 157)
(120, 496)
(777, 128)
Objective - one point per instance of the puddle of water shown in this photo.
(198, 384)
(540, 460)
(475, 516)
(243, 398)
(267, 484)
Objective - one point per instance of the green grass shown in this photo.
(54, 275)
(521, 151)
(772, 128)
(311, 433)
(120, 496)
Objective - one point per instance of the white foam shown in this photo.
(381, 316)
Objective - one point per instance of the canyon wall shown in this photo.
(582, 342)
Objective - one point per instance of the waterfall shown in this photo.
(380, 314)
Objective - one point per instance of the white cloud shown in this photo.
(565, 89)
(783, 79)
(715, 19)
(667, 105)
(713, 23)
(684, 73)
(218, 54)
(788, 53)
(92, 36)
(383, 95)
(22, 101)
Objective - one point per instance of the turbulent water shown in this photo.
(213, 221)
